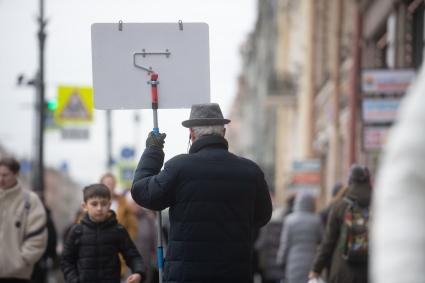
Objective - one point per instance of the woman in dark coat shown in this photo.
(330, 252)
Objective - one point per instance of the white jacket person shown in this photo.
(23, 230)
(398, 225)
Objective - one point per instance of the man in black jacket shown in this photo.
(217, 200)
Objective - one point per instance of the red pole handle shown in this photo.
(154, 90)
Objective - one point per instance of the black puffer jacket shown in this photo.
(216, 201)
(91, 252)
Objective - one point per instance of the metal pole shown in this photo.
(355, 81)
(336, 96)
(154, 97)
(38, 177)
(136, 132)
(110, 160)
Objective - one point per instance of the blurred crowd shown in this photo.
(298, 243)
(301, 243)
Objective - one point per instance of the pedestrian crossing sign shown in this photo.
(75, 105)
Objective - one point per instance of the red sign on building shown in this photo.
(306, 178)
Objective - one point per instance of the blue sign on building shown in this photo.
(127, 152)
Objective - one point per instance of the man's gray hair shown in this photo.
(217, 130)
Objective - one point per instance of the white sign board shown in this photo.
(177, 52)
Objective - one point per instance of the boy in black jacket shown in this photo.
(91, 249)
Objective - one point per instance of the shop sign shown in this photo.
(374, 138)
(306, 165)
(306, 172)
(380, 110)
(306, 178)
(386, 81)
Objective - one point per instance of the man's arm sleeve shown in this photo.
(326, 249)
(263, 203)
(132, 257)
(152, 188)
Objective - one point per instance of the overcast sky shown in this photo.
(68, 62)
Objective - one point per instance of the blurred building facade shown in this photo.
(301, 105)
(392, 39)
(253, 118)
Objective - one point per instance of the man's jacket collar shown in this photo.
(11, 192)
(208, 141)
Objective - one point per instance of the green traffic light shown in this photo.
(52, 104)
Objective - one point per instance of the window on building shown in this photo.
(381, 49)
(415, 34)
(347, 30)
(322, 34)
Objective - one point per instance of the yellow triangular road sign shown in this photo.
(75, 105)
(75, 108)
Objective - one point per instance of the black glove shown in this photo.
(156, 140)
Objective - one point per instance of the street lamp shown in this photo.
(38, 83)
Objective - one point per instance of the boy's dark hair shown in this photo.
(96, 190)
(11, 163)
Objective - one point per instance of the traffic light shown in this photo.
(52, 104)
(49, 113)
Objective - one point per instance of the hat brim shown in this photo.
(204, 122)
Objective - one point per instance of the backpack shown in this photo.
(354, 233)
(27, 202)
(27, 209)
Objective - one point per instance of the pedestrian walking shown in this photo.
(217, 200)
(345, 246)
(324, 213)
(301, 234)
(23, 230)
(268, 242)
(91, 249)
(120, 205)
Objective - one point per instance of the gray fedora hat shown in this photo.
(208, 114)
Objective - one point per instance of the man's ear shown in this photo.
(224, 132)
(84, 206)
(192, 134)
